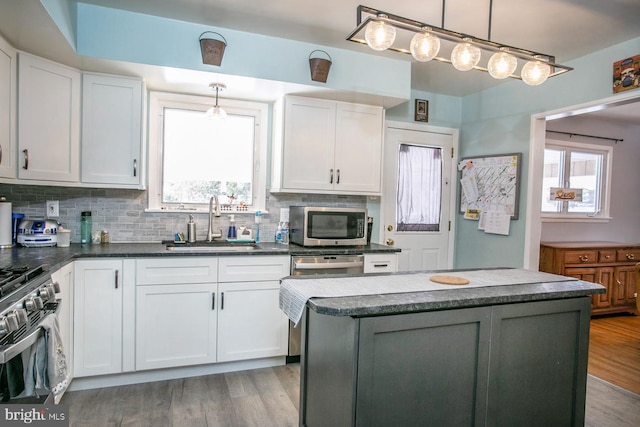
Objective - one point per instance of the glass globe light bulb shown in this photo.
(216, 113)
(424, 46)
(465, 56)
(535, 72)
(380, 35)
(502, 64)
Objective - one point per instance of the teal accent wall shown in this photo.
(444, 110)
(498, 120)
(63, 13)
(133, 37)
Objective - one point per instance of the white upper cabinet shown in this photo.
(325, 146)
(7, 110)
(48, 121)
(112, 149)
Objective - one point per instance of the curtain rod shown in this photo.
(616, 140)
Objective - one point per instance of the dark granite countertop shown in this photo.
(55, 257)
(457, 297)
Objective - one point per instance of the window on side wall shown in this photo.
(192, 158)
(575, 166)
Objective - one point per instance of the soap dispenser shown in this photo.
(191, 230)
(232, 228)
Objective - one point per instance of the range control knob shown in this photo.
(33, 303)
(56, 287)
(21, 315)
(47, 292)
(8, 324)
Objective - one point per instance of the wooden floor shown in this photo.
(269, 397)
(262, 397)
(614, 350)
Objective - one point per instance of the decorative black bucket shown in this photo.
(212, 49)
(319, 67)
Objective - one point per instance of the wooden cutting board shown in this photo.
(449, 280)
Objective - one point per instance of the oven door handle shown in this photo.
(10, 351)
(327, 265)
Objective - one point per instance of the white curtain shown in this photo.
(419, 188)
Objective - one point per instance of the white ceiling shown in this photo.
(567, 29)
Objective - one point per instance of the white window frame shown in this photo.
(603, 214)
(158, 101)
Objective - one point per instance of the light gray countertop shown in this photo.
(443, 298)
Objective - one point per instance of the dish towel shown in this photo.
(46, 363)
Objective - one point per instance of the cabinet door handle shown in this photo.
(380, 265)
(618, 282)
(630, 256)
(330, 176)
(221, 300)
(116, 279)
(0, 153)
(584, 258)
(135, 168)
(338, 178)
(26, 159)
(213, 300)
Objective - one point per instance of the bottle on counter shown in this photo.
(85, 228)
(279, 233)
(191, 230)
(232, 228)
(284, 233)
(104, 237)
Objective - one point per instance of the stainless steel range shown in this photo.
(27, 298)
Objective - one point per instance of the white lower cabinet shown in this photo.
(103, 317)
(175, 325)
(198, 310)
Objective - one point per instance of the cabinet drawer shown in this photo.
(607, 256)
(380, 263)
(173, 271)
(253, 268)
(628, 255)
(580, 257)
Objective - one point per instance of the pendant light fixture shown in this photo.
(466, 51)
(216, 112)
(502, 64)
(424, 45)
(380, 35)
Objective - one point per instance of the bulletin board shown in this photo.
(490, 183)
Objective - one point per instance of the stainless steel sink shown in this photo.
(210, 248)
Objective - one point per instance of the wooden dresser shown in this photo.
(610, 264)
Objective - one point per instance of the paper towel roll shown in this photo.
(6, 226)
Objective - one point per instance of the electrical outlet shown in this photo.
(53, 209)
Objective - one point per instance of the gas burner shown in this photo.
(12, 278)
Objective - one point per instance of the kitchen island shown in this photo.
(508, 348)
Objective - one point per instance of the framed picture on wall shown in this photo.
(422, 110)
(626, 74)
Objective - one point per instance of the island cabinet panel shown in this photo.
(522, 364)
(608, 264)
(423, 369)
(538, 364)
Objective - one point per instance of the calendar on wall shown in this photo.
(490, 184)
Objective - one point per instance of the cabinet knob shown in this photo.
(389, 227)
(607, 256)
(630, 256)
(584, 258)
(390, 242)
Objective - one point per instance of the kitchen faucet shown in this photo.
(210, 230)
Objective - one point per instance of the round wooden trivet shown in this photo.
(449, 280)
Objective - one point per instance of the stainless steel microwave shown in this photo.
(317, 226)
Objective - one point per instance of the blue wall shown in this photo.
(498, 120)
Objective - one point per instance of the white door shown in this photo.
(417, 202)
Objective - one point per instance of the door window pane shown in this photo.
(419, 188)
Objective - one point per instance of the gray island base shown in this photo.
(508, 355)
